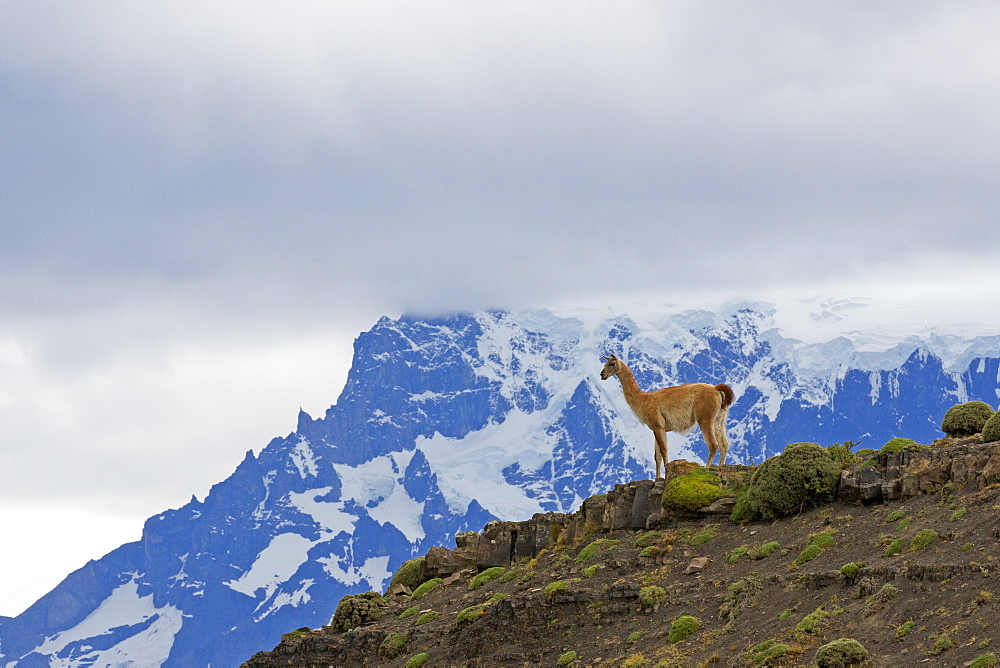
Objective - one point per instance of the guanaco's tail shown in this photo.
(728, 396)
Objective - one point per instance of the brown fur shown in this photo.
(677, 408)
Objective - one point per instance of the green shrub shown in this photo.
(841, 654)
(782, 485)
(703, 536)
(511, 574)
(966, 419)
(737, 554)
(942, 643)
(488, 575)
(683, 627)
(895, 547)
(652, 596)
(895, 515)
(895, 445)
(765, 654)
(877, 601)
(850, 571)
(758, 552)
(647, 538)
(739, 595)
(471, 614)
(958, 514)
(356, 610)
(650, 551)
(499, 596)
(566, 659)
(991, 429)
(409, 612)
(923, 538)
(812, 622)
(808, 553)
(589, 571)
(591, 550)
(417, 660)
(393, 645)
(903, 630)
(692, 491)
(410, 574)
(841, 453)
(427, 616)
(635, 636)
(558, 585)
(865, 452)
(947, 492)
(984, 661)
(425, 588)
(816, 545)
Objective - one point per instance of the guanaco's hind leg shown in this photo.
(720, 435)
(709, 432)
(660, 453)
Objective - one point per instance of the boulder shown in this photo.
(440, 562)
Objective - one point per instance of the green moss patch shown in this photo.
(895, 547)
(652, 595)
(735, 555)
(923, 539)
(763, 550)
(557, 586)
(428, 616)
(683, 627)
(566, 659)
(903, 630)
(812, 622)
(471, 614)
(488, 575)
(841, 654)
(591, 550)
(765, 654)
(693, 490)
(410, 574)
(393, 645)
(897, 445)
(418, 660)
(817, 543)
(705, 535)
(425, 588)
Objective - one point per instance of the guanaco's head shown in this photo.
(611, 367)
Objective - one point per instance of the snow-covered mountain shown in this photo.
(446, 423)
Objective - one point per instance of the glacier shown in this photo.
(446, 423)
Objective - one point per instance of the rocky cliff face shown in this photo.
(446, 424)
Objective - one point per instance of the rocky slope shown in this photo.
(605, 585)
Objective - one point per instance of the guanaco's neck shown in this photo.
(630, 388)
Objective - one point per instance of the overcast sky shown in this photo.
(203, 203)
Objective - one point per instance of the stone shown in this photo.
(399, 590)
(696, 565)
(441, 562)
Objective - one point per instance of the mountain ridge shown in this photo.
(443, 425)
